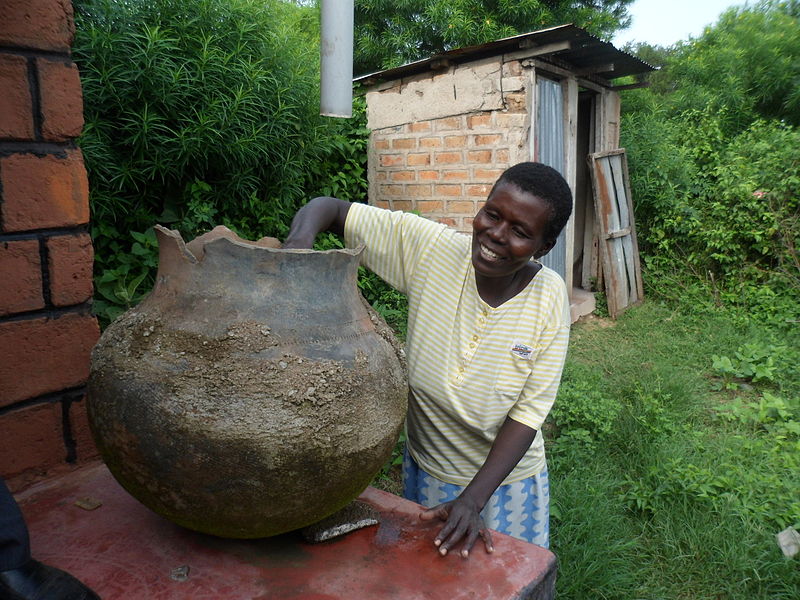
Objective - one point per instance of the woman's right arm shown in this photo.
(320, 214)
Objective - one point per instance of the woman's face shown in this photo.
(508, 231)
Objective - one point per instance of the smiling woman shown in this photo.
(521, 220)
(508, 232)
(487, 337)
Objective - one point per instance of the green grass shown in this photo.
(670, 479)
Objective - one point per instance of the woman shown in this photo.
(488, 328)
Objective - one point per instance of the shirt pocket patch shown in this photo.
(514, 370)
(521, 350)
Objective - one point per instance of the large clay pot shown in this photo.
(251, 393)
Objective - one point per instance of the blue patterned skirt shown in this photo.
(521, 509)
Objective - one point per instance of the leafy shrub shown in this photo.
(753, 470)
(178, 92)
(387, 301)
(341, 168)
(751, 362)
(714, 161)
(745, 67)
(662, 176)
(652, 413)
(198, 113)
(721, 219)
(126, 273)
(582, 413)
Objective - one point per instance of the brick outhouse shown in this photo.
(443, 129)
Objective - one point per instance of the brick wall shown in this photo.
(46, 328)
(444, 167)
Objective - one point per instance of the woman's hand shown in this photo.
(462, 515)
(320, 214)
(462, 521)
(297, 243)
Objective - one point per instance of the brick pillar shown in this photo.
(46, 328)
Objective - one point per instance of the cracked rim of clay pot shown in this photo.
(194, 250)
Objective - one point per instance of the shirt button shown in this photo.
(474, 338)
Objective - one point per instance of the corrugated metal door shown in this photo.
(550, 151)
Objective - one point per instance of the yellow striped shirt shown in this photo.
(470, 365)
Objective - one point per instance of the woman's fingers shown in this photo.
(472, 535)
(451, 534)
(487, 539)
(462, 522)
(440, 512)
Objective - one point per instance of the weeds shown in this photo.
(664, 482)
(751, 362)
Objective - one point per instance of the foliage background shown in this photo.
(684, 418)
(715, 165)
(390, 33)
(201, 113)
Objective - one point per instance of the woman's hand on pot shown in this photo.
(462, 522)
(320, 214)
(295, 243)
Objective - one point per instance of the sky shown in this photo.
(664, 22)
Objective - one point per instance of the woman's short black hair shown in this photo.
(546, 183)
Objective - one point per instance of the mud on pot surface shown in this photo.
(250, 429)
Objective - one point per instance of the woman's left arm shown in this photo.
(462, 515)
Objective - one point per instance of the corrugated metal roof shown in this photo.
(579, 51)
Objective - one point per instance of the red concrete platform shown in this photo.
(124, 551)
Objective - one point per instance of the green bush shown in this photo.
(662, 175)
(200, 113)
(341, 167)
(745, 66)
(179, 93)
(730, 236)
(714, 163)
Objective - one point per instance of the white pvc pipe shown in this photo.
(336, 58)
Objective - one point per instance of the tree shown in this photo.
(747, 64)
(713, 148)
(660, 81)
(390, 33)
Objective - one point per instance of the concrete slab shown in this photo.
(86, 523)
(581, 303)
